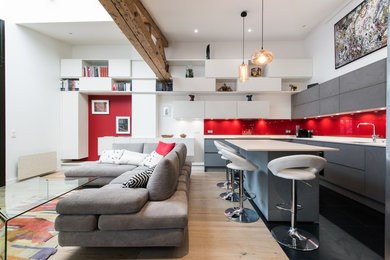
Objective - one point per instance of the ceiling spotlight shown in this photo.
(70, 33)
(196, 31)
(249, 30)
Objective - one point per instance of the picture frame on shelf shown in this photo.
(100, 107)
(123, 125)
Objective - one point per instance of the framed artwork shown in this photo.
(123, 125)
(100, 107)
(361, 32)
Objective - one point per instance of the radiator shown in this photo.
(36, 164)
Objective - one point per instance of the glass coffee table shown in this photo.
(21, 197)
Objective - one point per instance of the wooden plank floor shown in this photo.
(210, 234)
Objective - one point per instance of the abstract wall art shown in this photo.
(361, 32)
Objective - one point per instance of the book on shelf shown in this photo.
(95, 71)
(69, 85)
(121, 86)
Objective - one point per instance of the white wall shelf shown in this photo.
(220, 109)
(252, 109)
(290, 68)
(193, 84)
(188, 109)
(119, 69)
(222, 68)
(260, 84)
(71, 68)
(95, 83)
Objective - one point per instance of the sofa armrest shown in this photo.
(103, 201)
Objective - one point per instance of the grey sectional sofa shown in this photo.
(112, 216)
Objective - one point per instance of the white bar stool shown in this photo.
(231, 196)
(240, 164)
(302, 168)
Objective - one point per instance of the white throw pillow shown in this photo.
(129, 157)
(152, 159)
(111, 156)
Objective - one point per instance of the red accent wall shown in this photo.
(105, 125)
(341, 125)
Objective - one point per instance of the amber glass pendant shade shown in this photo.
(243, 72)
(262, 57)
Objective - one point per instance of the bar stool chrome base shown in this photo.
(230, 196)
(226, 185)
(295, 238)
(242, 215)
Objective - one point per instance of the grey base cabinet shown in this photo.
(356, 168)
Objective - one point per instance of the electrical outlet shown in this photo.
(288, 131)
(210, 131)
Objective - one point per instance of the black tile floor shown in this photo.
(347, 230)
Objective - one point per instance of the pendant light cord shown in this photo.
(262, 23)
(243, 39)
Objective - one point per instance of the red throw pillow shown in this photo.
(163, 148)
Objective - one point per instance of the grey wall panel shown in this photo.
(365, 98)
(375, 173)
(349, 155)
(346, 177)
(330, 88)
(307, 96)
(369, 75)
(330, 105)
(213, 160)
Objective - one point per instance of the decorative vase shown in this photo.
(249, 97)
(192, 97)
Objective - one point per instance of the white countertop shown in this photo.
(334, 139)
(272, 145)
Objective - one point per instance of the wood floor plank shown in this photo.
(210, 234)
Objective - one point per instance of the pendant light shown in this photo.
(243, 70)
(262, 56)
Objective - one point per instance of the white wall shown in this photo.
(319, 45)
(233, 50)
(105, 52)
(32, 94)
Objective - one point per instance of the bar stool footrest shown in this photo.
(286, 207)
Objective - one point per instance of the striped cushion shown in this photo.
(139, 180)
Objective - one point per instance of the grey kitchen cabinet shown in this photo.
(329, 105)
(307, 96)
(306, 110)
(375, 173)
(349, 155)
(370, 75)
(346, 177)
(212, 159)
(365, 98)
(330, 88)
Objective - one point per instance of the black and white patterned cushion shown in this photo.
(139, 180)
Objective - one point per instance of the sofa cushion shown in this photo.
(181, 151)
(164, 148)
(134, 147)
(111, 156)
(76, 222)
(103, 201)
(127, 175)
(162, 184)
(98, 170)
(149, 147)
(170, 213)
(152, 159)
(139, 180)
(134, 158)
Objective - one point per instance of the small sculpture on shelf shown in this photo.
(208, 51)
(183, 135)
(189, 73)
(225, 88)
(192, 97)
(249, 97)
(256, 72)
(293, 87)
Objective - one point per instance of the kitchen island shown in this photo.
(271, 191)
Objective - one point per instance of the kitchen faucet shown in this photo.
(374, 136)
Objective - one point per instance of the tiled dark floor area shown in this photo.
(347, 230)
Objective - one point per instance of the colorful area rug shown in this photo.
(32, 235)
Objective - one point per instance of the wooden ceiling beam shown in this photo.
(127, 16)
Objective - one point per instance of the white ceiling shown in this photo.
(216, 20)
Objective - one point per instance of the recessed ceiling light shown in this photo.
(358, 111)
(70, 33)
(196, 31)
(249, 30)
(303, 26)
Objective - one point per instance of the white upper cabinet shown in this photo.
(260, 84)
(71, 68)
(222, 68)
(220, 109)
(141, 70)
(252, 109)
(290, 68)
(193, 84)
(188, 109)
(119, 68)
(95, 83)
(139, 85)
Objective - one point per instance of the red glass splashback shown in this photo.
(341, 125)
